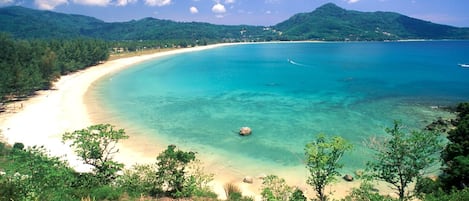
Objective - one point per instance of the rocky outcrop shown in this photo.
(441, 125)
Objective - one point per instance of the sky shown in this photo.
(245, 12)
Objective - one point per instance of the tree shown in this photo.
(322, 161)
(96, 145)
(275, 189)
(456, 153)
(172, 177)
(403, 157)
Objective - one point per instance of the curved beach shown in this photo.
(69, 106)
(42, 119)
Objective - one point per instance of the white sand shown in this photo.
(42, 119)
(45, 117)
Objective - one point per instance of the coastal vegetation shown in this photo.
(40, 46)
(404, 157)
(31, 65)
(322, 161)
(32, 174)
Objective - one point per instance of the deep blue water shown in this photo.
(288, 93)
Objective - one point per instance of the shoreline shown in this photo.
(70, 105)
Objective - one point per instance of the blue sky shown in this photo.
(251, 12)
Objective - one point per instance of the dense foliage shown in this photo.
(31, 174)
(456, 153)
(328, 22)
(27, 66)
(404, 157)
(27, 23)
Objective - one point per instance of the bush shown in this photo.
(139, 180)
(365, 192)
(106, 193)
(172, 178)
(231, 191)
(297, 195)
(455, 195)
(426, 185)
(275, 188)
(18, 146)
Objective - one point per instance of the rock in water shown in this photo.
(245, 131)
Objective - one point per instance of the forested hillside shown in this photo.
(28, 23)
(27, 66)
(328, 22)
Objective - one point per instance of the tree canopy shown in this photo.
(403, 157)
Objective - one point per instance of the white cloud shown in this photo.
(268, 12)
(49, 4)
(218, 8)
(124, 2)
(93, 2)
(157, 2)
(2, 2)
(352, 1)
(229, 1)
(194, 10)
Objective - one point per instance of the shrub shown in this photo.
(275, 188)
(18, 146)
(106, 192)
(172, 178)
(232, 191)
(138, 180)
(297, 195)
(365, 192)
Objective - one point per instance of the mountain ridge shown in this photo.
(331, 22)
(328, 22)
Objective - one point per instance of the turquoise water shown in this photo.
(288, 93)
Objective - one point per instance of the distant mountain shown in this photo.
(29, 23)
(328, 22)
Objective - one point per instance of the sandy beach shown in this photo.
(42, 119)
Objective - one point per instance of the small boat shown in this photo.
(464, 65)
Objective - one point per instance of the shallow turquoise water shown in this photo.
(287, 93)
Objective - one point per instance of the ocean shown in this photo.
(288, 93)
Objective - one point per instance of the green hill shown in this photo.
(29, 23)
(328, 22)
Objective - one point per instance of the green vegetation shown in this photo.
(322, 161)
(172, 178)
(328, 22)
(404, 157)
(32, 174)
(276, 189)
(96, 146)
(332, 23)
(28, 66)
(456, 153)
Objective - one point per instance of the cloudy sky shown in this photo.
(252, 12)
